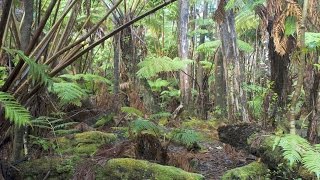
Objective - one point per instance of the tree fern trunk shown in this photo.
(25, 32)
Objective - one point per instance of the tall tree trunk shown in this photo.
(203, 86)
(25, 32)
(220, 105)
(301, 68)
(185, 80)
(236, 99)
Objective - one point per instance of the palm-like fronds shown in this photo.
(14, 111)
(151, 66)
(294, 147)
(56, 125)
(69, 93)
(38, 72)
(297, 149)
(311, 161)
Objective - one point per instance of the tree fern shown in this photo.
(244, 46)
(158, 84)
(151, 66)
(246, 20)
(208, 47)
(312, 39)
(14, 111)
(69, 93)
(38, 72)
(86, 78)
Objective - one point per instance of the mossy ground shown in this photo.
(127, 168)
(86, 143)
(254, 170)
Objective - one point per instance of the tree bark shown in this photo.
(185, 81)
(236, 99)
(25, 32)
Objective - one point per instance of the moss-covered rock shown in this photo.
(53, 168)
(86, 143)
(255, 170)
(127, 168)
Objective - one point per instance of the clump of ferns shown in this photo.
(298, 151)
(185, 137)
(56, 126)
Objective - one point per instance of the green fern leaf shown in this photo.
(38, 72)
(69, 93)
(294, 147)
(86, 78)
(132, 111)
(311, 161)
(312, 39)
(244, 46)
(246, 20)
(208, 47)
(186, 137)
(14, 111)
(151, 66)
(141, 125)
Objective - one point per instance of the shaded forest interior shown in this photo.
(172, 89)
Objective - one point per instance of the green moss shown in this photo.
(105, 120)
(86, 143)
(255, 170)
(127, 168)
(59, 168)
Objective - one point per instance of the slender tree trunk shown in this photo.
(236, 99)
(203, 87)
(301, 68)
(116, 72)
(25, 32)
(185, 81)
(220, 105)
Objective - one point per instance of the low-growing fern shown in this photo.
(132, 111)
(69, 93)
(14, 111)
(298, 150)
(56, 125)
(186, 137)
(139, 126)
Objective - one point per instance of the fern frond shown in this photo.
(132, 111)
(312, 39)
(208, 47)
(186, 137)
(38, 72)
(160, 115)
(86, 78)
(246, 20)
(14, 111)
(69, 93)
(141, 125)
(151, 66)
(294, 147)
(311, 161)
(244, 46)
(158, 84)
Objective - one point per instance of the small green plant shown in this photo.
(132, 112)
(298, 150)
(140, 126)
(186, 137)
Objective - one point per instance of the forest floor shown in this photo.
(212, 160)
